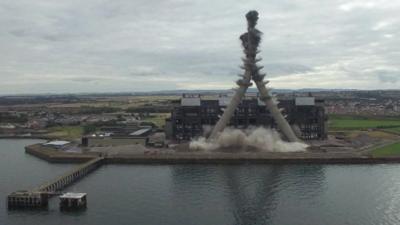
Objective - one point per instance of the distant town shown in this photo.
(71, 116)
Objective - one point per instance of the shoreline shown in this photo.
(25, 137)
(55, 156)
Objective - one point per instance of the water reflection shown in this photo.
(253, 201)
(252, 192)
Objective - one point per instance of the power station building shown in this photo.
(191, 117)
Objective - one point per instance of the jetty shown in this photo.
(38, 197)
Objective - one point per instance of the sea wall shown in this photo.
(57, 156)
(240, 159)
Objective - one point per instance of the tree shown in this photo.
(87, 129)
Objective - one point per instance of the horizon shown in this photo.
(200, 91)
(112, 47)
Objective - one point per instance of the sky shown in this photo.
(77, 46)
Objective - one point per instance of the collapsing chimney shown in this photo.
(250, 42)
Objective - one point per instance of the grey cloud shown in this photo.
(85, 79)
(109, 44)
(284, 69)
(19, 32)
(388, 76)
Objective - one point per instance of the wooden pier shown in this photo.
(39, 196)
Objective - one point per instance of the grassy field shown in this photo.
(351, 134)
(389, 150)
(394, 129)
(157, 118)
(122, 102)
(66, 132)
(356, 123)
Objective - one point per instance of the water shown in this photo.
(214, 194)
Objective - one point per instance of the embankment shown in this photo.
(238, 158)
(57, 156)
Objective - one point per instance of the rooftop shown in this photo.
(73, 195)
(57, 143)
(140, 132)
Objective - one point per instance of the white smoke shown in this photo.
(257, 138)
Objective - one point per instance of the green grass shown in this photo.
(394, 129)
(357, 123)
(389, 150)
(157, 118)
(66, 132)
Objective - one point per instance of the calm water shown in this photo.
(198, 194)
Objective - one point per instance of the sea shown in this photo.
(245, 194)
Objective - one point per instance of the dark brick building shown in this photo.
(191, 116)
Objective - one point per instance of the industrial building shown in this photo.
(191, 117)
(140, 136)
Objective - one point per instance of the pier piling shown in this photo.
(38, 197)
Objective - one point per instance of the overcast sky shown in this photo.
(50, 46)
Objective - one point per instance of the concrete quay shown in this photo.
(54, 156)
(249, 158)
(168, 157)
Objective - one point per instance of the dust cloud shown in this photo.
(261, 139)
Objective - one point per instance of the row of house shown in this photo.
(366, 107)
